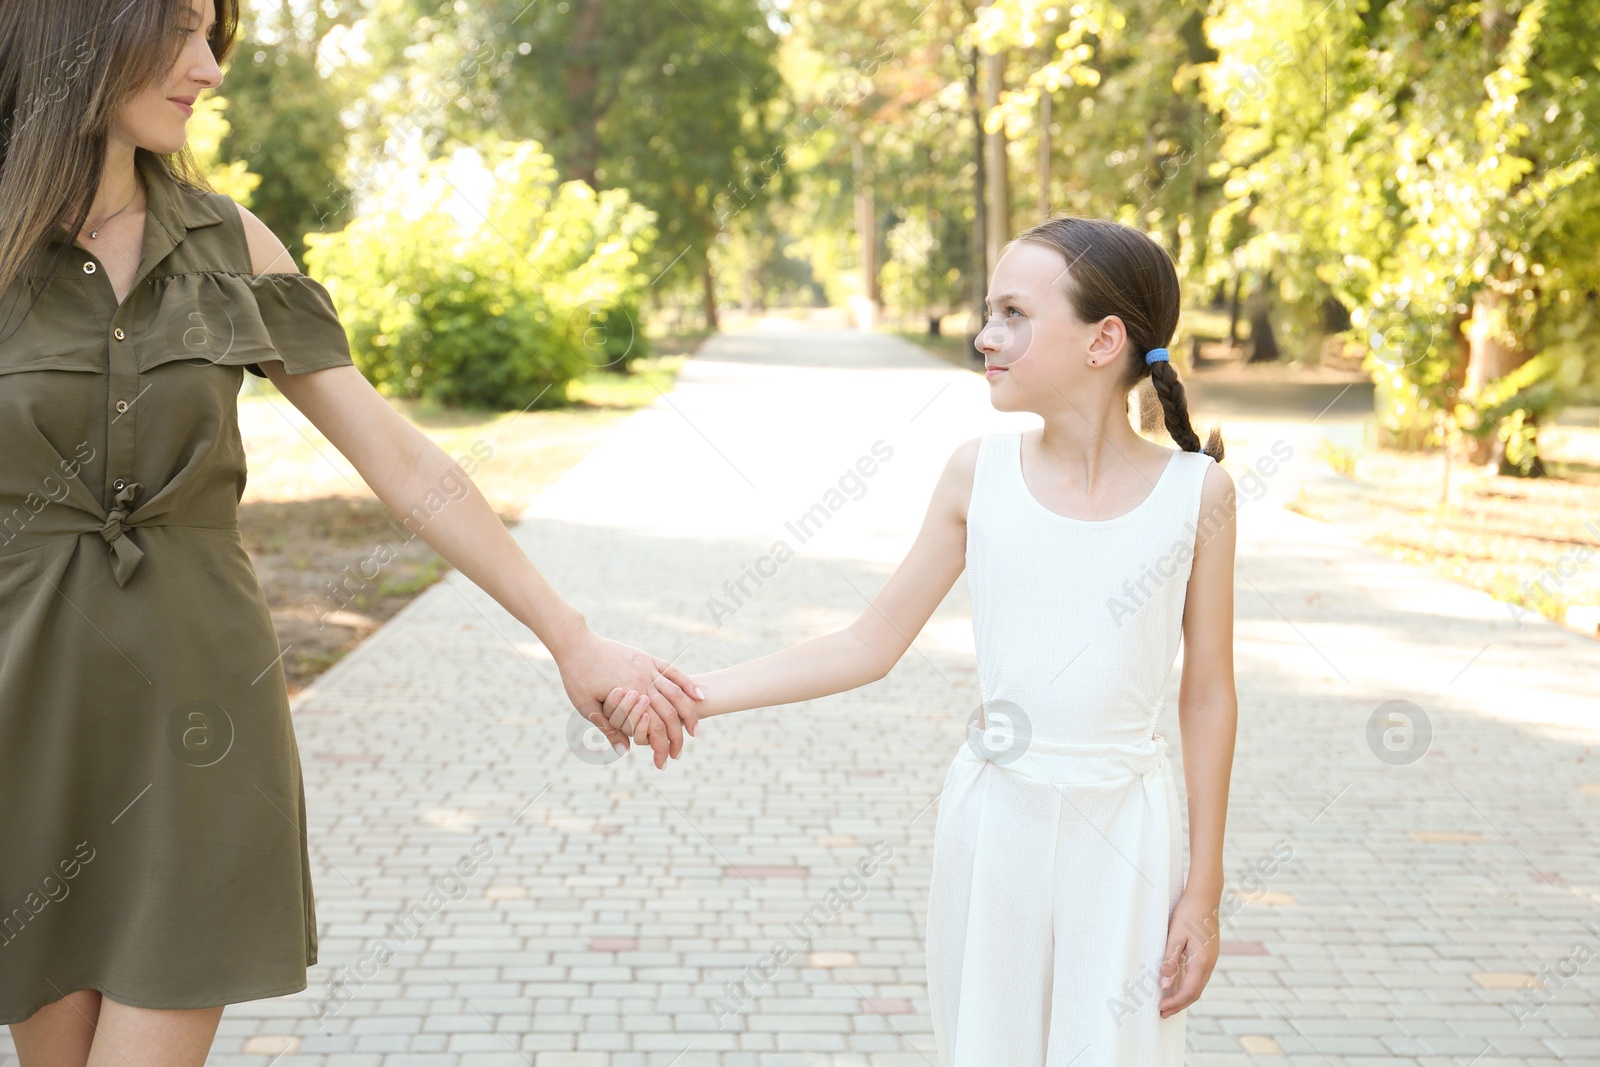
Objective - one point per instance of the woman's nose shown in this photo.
(206, 71)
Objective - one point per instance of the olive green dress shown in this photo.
(152, 815)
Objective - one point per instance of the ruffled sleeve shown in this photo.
(301, 322)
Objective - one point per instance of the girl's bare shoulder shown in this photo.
(964, 460)
(955, 484)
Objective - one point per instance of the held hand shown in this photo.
(633, 714)
(596, 666)
(1191, 953)
(629, 712)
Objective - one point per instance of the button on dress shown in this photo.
(152, 814)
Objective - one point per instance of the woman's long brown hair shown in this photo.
(1117, 270)
(67, 67)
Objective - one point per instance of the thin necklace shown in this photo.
(96, 231)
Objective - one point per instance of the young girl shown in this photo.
(1061, 929)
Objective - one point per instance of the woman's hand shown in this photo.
(1192, 947)
(595, 667)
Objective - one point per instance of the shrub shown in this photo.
(481, 282)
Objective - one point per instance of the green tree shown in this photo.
(879, 151)
(1106, 116)
(672, 102)
(286, 128)
(1428, 165)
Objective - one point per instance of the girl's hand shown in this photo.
(629, 712)
(1191, 955)
(594, 666)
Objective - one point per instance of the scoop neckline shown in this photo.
(1022, 482)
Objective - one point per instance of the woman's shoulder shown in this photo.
(268, 254)
(230, 266)
(221, 234)
(242, 243)
(226, 243)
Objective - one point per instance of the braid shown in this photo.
(1175, 411)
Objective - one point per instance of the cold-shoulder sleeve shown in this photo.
(301, 323)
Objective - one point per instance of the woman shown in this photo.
(146, 880)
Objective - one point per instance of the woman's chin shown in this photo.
(166, 142)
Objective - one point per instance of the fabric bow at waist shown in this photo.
(125, 554)
(1068, 763)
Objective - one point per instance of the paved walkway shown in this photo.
(486, 897)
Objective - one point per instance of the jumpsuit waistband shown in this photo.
(1067, 763)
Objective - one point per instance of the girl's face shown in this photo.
(1036, 351)
(157, 118)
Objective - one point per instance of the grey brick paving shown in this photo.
(616, 903)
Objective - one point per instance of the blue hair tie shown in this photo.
(1155, 355)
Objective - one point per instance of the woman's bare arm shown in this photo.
(406, 469)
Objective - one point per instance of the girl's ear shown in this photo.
(1106, 342)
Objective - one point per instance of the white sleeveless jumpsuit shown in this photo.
(1057, 854)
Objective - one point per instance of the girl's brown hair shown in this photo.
(1116, 270)
(67, 67)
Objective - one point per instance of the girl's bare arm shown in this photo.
(1208, 713)
(865, 650)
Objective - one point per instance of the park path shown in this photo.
(487, 897)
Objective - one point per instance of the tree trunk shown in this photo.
(933, 303)
(866, 229)
(1263, 342)
(1335, 321)
(996, 175)
(1492, 351)
(980, 243)
(583, 89)
(1536, 469)
(1044, 152)
(1233, 311)
(1335, 316)
(1495, 24)
(708, 298)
